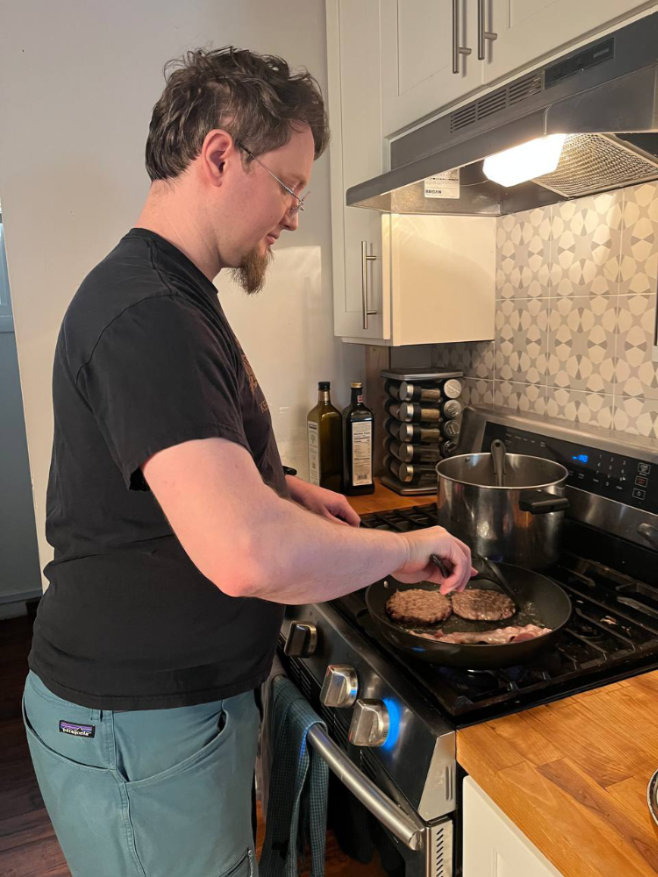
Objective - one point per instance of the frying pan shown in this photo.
(539, 600)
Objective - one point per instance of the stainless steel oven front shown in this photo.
(384, 743)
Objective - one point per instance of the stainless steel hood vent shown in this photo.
(604, 96)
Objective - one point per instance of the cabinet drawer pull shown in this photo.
(365, 258)
(482, 33)
(457, 50)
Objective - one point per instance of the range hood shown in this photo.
(603, 96)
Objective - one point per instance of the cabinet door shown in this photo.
(443, 278)
(531, 29)
(493, 845)
(356, 154)
(417, 58)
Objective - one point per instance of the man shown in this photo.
(178, 539)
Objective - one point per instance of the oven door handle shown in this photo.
(410, 831)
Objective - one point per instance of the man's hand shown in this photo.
(321, 501)
(455, 555)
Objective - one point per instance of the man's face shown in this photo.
(268, 208)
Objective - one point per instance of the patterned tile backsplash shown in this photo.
(575, 314)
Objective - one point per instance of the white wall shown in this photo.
(78, 79)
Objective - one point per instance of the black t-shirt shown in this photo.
(145, 359)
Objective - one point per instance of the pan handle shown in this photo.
(540, 502)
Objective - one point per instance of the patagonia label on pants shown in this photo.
(77, 730)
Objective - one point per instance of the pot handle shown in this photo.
(540, 502)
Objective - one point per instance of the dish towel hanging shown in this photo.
(298, 784)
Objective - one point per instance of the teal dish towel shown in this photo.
(299, 779)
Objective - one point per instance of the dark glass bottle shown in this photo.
(325, 441)
(358, 427)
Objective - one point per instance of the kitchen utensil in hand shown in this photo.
(487, 568)
(436, 560)
(498, 452)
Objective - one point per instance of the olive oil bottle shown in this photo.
(358, 423)
(324, 430)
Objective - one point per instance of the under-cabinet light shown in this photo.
(525, 162)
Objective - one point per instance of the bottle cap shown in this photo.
(356, 385)
(324, 385)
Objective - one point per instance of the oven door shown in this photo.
(371, 820)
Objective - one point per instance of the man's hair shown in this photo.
(255, 98)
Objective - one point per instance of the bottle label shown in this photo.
(313, 453)
(361, 453)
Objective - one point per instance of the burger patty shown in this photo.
(477, 604)
(418, 606)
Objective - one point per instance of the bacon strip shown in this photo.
(498, 636)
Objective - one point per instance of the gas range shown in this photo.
(612, 633)
(392, 720)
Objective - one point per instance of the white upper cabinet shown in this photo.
(435, 53)
(356, 154)
(528, 30)
(429, 58)
(397, 280)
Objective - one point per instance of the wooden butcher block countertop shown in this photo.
(573, 774)
(383, 499)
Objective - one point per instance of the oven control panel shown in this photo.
(628, 480)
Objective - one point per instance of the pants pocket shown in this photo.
(86, 809)
(195, 817)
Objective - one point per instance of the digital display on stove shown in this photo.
(629, 480)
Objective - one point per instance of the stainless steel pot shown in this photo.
(520, 522)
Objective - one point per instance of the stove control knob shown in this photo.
(301, 640)
(370, 723)
(340, 686)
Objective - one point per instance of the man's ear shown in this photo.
(216, 151)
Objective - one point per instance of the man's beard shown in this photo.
(250, 274)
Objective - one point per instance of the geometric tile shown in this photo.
(636, 374)
(523, 254)
(639, 240)
(585, 245)
(518, 396)
(577, 406)
(451, 357)
(521, 340)
(581, 342)
(480, 362)
(477, 392)
(637, 416)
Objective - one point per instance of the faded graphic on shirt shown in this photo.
(254, 387)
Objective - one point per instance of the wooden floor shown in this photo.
(28, 846)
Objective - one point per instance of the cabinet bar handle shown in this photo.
(365, 258)
(457, 50)
(482, 33)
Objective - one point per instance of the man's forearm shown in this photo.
(304, 558)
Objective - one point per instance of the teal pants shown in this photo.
(147, 793)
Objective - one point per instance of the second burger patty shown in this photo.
(477, 604)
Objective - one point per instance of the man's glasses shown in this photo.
(298, 204)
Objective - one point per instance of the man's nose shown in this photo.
(291, 220)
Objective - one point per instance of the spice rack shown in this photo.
(423, 419)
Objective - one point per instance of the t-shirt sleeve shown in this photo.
(161, 374)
